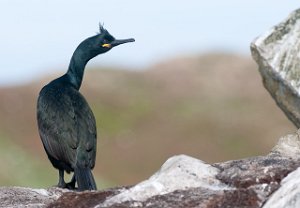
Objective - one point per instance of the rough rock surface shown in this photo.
(288, 195)
(184, 181)
(19, 197)
(277, 54)
(177, 173)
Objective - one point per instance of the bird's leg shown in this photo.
(61, 181)
(71, 184)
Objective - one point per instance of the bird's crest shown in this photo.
(102, 29)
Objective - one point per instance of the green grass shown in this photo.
(19, 168)
(117, 119)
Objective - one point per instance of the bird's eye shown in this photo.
(105, 41)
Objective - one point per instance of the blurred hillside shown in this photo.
(212, 107)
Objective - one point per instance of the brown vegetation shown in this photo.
(212, 107)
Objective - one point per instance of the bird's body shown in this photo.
(67, 127)
(66, 123)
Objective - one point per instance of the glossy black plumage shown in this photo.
(66, 123)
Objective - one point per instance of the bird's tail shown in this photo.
(85, 179)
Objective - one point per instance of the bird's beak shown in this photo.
(119, 42)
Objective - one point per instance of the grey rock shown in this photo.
(287, 195)
(277, 54)
(18, 197)
(289, 146)
(177, 173)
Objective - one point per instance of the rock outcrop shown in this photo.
(277, 54)
(19, 197)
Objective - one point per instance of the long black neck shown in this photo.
(77, 66)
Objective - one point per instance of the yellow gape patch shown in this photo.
(106, 45)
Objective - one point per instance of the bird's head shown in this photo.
(107, 41)
(103, 42)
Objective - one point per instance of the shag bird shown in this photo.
(66, 123)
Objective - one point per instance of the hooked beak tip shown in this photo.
(131, 40)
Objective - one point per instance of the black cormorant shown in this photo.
(66, 123)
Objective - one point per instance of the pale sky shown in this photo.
(38, 37)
